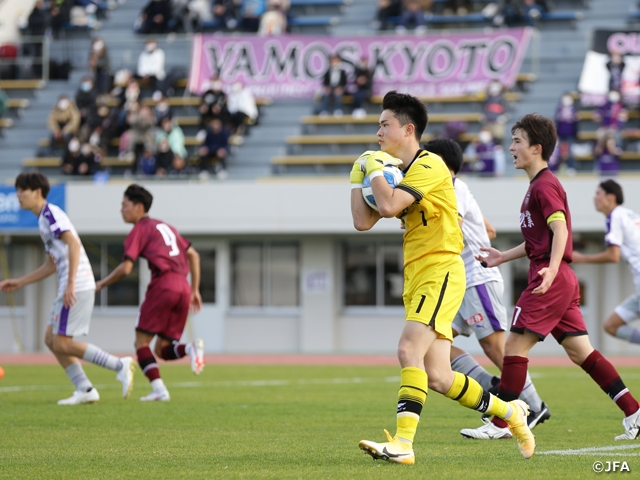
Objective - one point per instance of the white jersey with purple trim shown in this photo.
(475, 236)
(52, 222)
(623, 230)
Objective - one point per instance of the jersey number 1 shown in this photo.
(169, 238)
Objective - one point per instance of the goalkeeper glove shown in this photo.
(377, 161)
(357, 172)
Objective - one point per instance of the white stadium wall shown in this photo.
(315, 214)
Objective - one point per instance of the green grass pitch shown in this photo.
(287, 422)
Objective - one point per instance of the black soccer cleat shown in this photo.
(536, 418)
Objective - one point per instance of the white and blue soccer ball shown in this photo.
(393, 176)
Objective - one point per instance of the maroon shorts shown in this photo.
(165, 307)
(557, 311)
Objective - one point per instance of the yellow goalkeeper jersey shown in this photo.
(431, 222)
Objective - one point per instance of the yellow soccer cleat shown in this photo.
(393, 451)
(520, 429)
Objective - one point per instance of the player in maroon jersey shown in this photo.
(169, 297)
(551, 301)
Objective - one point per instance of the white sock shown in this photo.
(530, 395)
(158, 385)
(78, 377)
(628, 333)
(467, 365)
(99, 357)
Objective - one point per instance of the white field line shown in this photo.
(220, 384)
(596, 451)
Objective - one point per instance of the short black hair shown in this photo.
(613, 188)
(407, 109)
(138, 194)
(540, 131)
(449, 150)
(33, 181)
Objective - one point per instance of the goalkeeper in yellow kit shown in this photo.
(434, 276)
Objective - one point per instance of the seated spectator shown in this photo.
(567, 128)
(79, 159)
(154, 18)
(141, 134)
(225, 15)
(179, 167)
(458, 6)
(494, 110)
(162, 109)
(242, 107)
(63, 121)
(363, 85)
(172, 133)
(250, 14)
(86, 99)
(615, 65)
(197, 13)
(607, 155)
(333, 84)
(485, 156)
(214, 149)
(387, 9)
(611, 116)
(99, 65)
(164, 158)
(147, 164)
(60, 13)
(213, 103)
(520, 12)
(37, 24)
(274, 20)
(151, 65)
(413, 15)
(102, 128)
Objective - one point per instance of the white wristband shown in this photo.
(356, 185)
(375, 173)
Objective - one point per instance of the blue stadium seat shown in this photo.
(313, 21)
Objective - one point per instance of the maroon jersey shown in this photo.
(162, 246)
(544, 197)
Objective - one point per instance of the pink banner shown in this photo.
(292, 66)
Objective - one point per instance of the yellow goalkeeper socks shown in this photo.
(411, 398)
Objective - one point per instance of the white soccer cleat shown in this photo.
(486, 432)
(125, 375)
(162, 396)
(631, 426)
(393, 451)
(79, 398)
(196, 352)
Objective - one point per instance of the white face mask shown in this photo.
(74, 146)
(150, 47)
(63, 104)
(162, 107)
(86, 149)
(217, 86)
(567, 101)
(484, 137)
(98, 45)
(614, 97)
(495, 88)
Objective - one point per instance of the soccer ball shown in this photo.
(393, 176)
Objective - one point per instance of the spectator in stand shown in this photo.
(164, 158)
(615, 65)
(611, 116)
(274, 20)
(162, 109)
(333, 85)
(387, 9)
(154, 18)
(242, 108)
(213, 103)
(151, 65)
(63, 122)
(86, 99)
(102, 128)
(520, 12)
(37, 24)
(413, 15)
(458, 6)
(60, 13)
(485, 156)
(141, 134)
(608, 156)
(214, 149)
(99, 65)
(225, 15)
(172, 133)
(494, 110)
(362, 86)
(147, 163)
(567, 127)
(250, 14)
(79, 159)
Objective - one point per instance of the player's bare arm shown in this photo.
(548, 274)
(610, 255)
(118, 273)
(46, 269)
(390, 201)
(364, 217)
(495, 257)
(490, 230)
(73, 244)
(194, 267)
